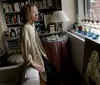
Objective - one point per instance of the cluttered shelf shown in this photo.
(82, 36)
(13, 41)
(40, 35)
(12, 13)
(14, 24)
(46, 33)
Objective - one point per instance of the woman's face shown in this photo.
(34, 14)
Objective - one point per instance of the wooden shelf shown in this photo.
(13, 0)
(13, 24)
(14, 27)
(13, 38)
(46, 9)
(6, 0)
(9, 13)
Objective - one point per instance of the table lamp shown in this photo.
(59, 17)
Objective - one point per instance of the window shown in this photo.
(92, 9)
(89, 18)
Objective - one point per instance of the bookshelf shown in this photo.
(11, 9)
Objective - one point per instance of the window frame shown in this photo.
(81, 9)
(87, 8)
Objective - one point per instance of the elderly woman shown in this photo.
(36, 63)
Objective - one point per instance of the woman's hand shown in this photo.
(39, 67)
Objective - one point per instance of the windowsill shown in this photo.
(82, 37)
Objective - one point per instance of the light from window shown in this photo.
(93, 9)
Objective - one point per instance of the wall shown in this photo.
(80, 9)
(77, 49)
(70, 8)
(74, 9)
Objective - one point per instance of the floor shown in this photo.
(81, 83)
(72, 77)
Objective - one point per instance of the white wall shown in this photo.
(70, 8)
(74, 8)
(77, 50)
(80, 9)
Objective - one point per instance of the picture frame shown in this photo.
(13, 32)
(52, 27)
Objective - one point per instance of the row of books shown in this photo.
(8, 7)
(43, 4)
(13, 19)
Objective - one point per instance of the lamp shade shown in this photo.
(59, 16)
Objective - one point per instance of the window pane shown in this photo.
(94, 9)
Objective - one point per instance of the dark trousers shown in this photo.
(51, 72)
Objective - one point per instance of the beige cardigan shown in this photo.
(32, 47)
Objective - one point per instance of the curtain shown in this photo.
(3, 27)
(58, 53)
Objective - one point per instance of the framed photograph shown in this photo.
(52, 27)
(13, 32)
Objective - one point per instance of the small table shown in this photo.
(58, 53)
